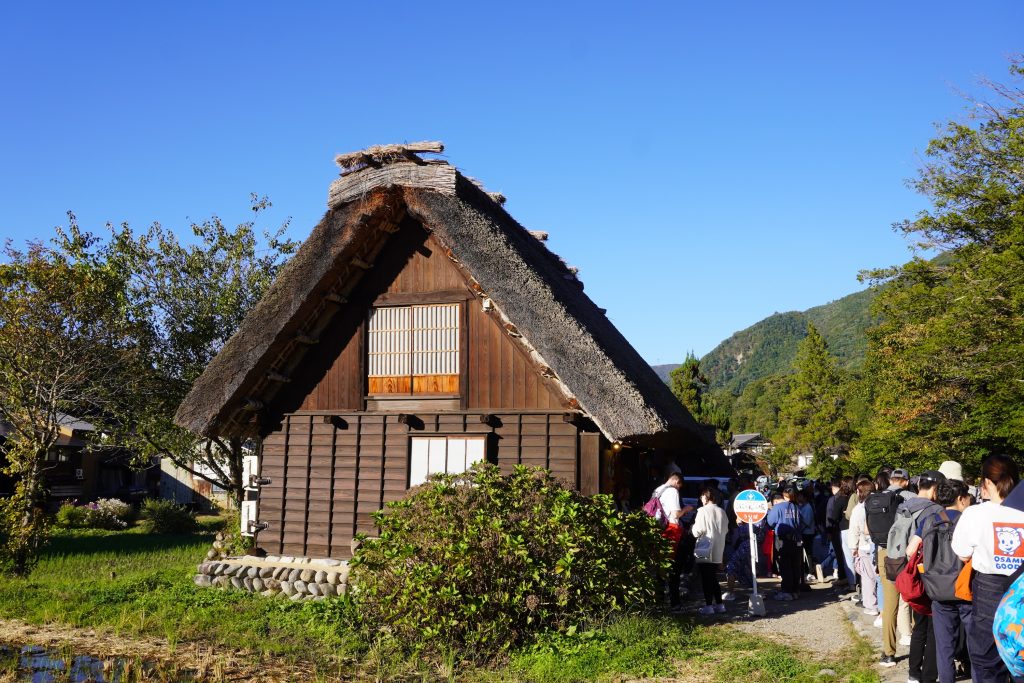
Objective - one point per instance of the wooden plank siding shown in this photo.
(326, 482)
(327, 479)
(498, 375)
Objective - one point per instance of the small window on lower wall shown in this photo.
(443, 454)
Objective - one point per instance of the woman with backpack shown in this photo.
(863, 550)
(991, 537)
(784, 519)
(710, 528)
(941, 567)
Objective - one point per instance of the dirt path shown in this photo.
(820, 621)
(205, 662)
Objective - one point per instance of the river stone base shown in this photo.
(296, 578)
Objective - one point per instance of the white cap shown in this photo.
(952, 470)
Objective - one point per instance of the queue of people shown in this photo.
(937, 562)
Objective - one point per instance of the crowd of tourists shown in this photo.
(937, 561)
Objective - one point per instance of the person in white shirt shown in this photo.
(863, 549)
(712, 524)
(991, 536)
(671, 513)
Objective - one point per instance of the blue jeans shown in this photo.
(986, 664)
(946, 620)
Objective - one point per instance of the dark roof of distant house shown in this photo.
(541, 297)
(740, 440)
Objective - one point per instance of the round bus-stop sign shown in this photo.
(751, 506)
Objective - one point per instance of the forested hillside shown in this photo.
(769, 346)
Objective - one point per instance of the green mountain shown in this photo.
(769, 346)
(664, 370)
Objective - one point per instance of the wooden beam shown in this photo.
(413, 298)
(337, 420)
(306, 340)
(333, 298)
(411, 421)
(278, 377)
(253, 404)
(360, 263)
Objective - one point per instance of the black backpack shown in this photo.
(941, 564)
(880, 513)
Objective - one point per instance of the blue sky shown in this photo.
(704, 165)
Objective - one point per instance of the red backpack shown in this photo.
(911, 587)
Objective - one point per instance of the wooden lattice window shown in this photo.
(414, 349)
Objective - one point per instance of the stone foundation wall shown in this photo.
(297, 578)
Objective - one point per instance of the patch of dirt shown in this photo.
(208, 663)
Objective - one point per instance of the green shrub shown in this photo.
(484, 562)
(165, 517)
(109, 513)
(71, 516)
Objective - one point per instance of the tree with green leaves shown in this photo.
(690, 386)
(70, 345)
(812, 417)
(947, 359)
(194, 296)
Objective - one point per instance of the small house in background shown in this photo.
(421, 329)
(746, 451)
(78, 469)
(184, 487)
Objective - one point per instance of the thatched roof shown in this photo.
(595, 367)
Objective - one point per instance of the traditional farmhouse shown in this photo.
(78, 469)
(418, 330)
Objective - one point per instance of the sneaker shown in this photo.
(811, 578)
(905, 640)
(706, 610)
(887, 661)
(719, 608)
(871, 611)
(855, 597)
(878, 622)
(729, 596)
(911, 679)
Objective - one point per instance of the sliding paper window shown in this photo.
(414, 349)
(444, 454)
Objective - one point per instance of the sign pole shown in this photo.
(756, 603)
(751, 507)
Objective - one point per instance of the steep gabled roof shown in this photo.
(380, 190)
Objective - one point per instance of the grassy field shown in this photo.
(129, 584)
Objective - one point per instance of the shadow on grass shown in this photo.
(120, 542)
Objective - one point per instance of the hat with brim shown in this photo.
(932, 476)
(952, 470)
(900, 473)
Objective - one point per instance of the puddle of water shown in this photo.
(39, 665)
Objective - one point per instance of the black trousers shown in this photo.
(922, 650)
(709, 582)
(791, 559)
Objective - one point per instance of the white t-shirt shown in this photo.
(992, 536)
(669, 497)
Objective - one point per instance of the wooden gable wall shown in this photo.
(499, 375)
